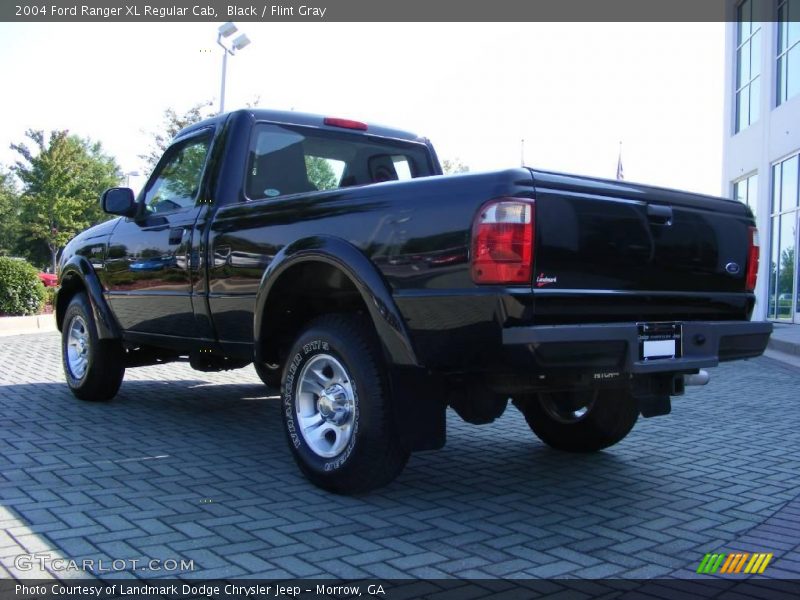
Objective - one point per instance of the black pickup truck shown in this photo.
(375, 292)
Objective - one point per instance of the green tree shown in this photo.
(320, 173)
(786, 276)
(9, 215)
(180, 177)
(171, 124)
(62, 179)
(454, 166)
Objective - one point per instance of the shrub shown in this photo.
(21, 292)
(50, 296)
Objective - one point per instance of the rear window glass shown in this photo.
(285, 160)
(401, 167)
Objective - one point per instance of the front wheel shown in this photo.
(93, 368)
(580, 421)
(336, 407)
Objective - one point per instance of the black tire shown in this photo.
(580, 421)
(370, 453)
(98, 375)
(269, 374)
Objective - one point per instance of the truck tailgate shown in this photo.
(671, 254)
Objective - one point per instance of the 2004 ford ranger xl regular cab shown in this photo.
(375, 292)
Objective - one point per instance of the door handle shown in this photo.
(176, 235)
(659, 215)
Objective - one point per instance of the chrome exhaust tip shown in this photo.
(700, 378)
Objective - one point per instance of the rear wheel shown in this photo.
(93, 368)
(580, 421)
(336, 407)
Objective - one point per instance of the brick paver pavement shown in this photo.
(193, 466)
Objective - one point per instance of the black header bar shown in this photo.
(370, 10)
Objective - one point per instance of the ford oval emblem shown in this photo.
(733, 268)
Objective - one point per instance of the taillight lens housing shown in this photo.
(502, 242)
(753, 251)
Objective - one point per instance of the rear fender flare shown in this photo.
(365, 276)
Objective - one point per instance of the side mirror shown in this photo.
(119, 201)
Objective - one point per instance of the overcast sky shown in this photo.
(572, 91)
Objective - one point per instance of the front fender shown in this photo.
(78, 274)
(365, 276)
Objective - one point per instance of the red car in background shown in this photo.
(48, 279)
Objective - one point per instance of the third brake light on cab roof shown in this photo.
(345, 123)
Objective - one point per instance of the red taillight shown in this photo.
(752, 258)
(345, 123)
(502, 242)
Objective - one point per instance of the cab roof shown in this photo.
(304, 119)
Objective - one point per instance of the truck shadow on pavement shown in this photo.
(202, 469)
(218, 427)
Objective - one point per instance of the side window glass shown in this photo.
(279, 166)
(390, 167)
(177, 183)
(285, 160)
(402, 167)
(324, 173)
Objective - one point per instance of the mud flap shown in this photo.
(654, 405)
(653, 393)
(418, 401)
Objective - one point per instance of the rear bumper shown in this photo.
(615, 346)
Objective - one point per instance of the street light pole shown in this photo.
(128, 176)
(224, 75)
(225, 31)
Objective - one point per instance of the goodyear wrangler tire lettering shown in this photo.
(287, 402)
(336, 407)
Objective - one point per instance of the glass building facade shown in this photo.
(762, 142)
(784, 297)
(788, 67)
(748, 66)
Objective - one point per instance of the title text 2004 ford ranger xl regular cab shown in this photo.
(375, 295)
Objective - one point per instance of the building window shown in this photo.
(784, 297)
(748, 66)
(745, 191)
(788, 80)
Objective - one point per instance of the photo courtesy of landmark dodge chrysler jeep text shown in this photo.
(374, 292)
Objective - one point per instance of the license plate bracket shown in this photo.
(659, 341)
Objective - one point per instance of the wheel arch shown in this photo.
(318, 275)
(78, 275)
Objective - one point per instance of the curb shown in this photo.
(22, 325)
(787, 347)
